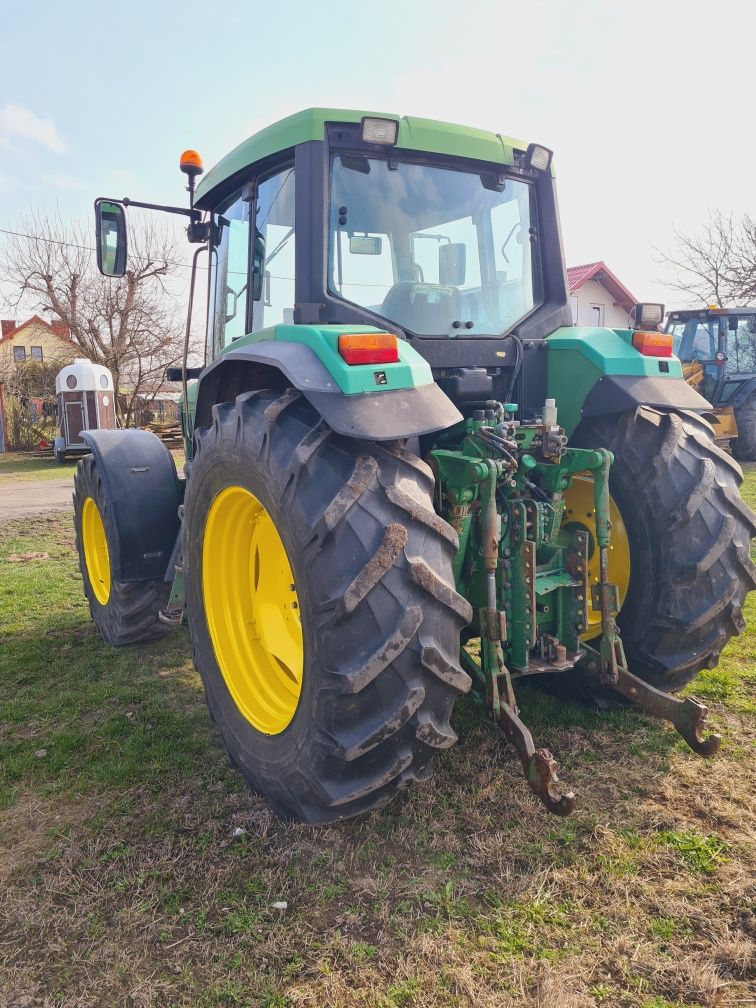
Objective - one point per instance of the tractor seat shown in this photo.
(427, 309)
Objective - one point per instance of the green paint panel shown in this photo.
(425, 135)
(410, 371)
(578, 357)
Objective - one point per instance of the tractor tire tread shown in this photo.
(386, 618)
(678, 495)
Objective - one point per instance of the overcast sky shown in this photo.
(648, 105)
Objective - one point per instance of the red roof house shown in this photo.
(598, 297)
(36, 340)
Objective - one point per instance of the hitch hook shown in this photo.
(691, 723)
(687, 716)
(538, 765)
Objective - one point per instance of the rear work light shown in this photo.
(647, 315)
(653, 344)
(369, 348)
(538, 157)
(380, 131)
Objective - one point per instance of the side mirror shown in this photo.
(452, 264)
(112, 243)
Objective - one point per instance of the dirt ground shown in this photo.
(137, 870)
(23, 498)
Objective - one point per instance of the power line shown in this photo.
(83, 248)
(91, 248)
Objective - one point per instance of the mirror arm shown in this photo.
(194, 214)
(196, 232)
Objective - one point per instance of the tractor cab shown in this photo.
(717, 347)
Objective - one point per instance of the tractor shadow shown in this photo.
(123, 717)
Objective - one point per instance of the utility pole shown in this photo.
(2, 419)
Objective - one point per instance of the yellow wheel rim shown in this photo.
(96, 554)
(579, 515)
(252, 610)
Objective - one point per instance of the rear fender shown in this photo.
(375, 416)
(622, 393)
(143, 492)
(593, 372)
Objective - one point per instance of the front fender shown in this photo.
(140, 482)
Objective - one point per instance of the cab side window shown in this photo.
(741, 348)
(229, 271)
(677, 329)
(273, 255)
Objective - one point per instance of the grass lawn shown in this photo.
(136, 869)
(16, 466)
(19, 466)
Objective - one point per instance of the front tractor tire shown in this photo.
(689, 534)
(321, 606)
(124, 612)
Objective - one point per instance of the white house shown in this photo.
(597, 297)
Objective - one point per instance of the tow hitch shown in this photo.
(528, 575)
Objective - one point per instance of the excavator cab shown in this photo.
(717, 347)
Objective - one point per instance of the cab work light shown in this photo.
(369, 348)
(538, 157)
(653, 344)
(380, 131)
(647, 315)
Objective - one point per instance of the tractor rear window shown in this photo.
(438, 251)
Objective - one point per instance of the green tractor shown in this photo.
(717, 348)
(409, 475)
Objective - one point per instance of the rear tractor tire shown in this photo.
(321, 605)
(124, 612)
(688, 532)
(744, 445)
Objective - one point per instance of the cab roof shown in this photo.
(683, 314)
(415, 134)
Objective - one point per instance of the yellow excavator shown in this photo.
(717, 347)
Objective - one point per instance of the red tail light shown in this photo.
(653, 344)
(369, 348)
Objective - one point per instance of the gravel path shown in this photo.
(22, 498)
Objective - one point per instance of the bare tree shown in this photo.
(35, 379)
(716, 265)
(29, 393)
(131, 325)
